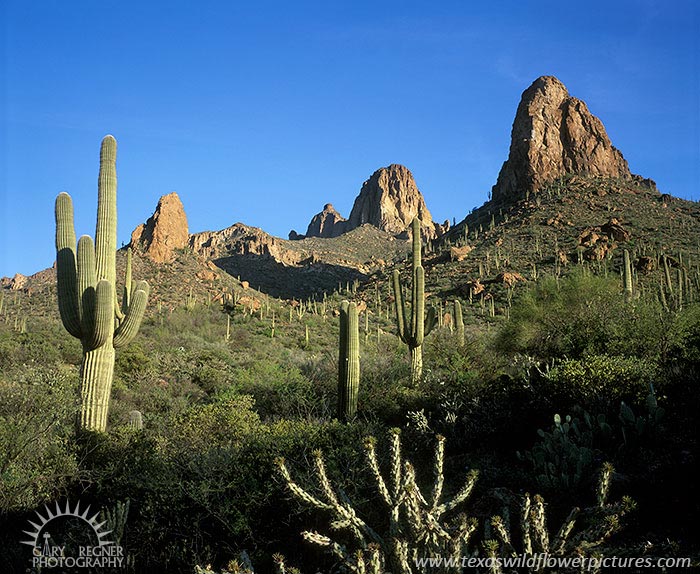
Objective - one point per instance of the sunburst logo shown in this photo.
(46, 553)
(93, 522)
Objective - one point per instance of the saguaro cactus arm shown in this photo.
(66, 266)
(129, 326)
(401, 318)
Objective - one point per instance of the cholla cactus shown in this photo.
(243, 565)
(600, 522)
(416, 526)
(115, 519)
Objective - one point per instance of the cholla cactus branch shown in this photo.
(525, 525)
(604, 484)
(324, 541)
(296, 490)
(539, 528)
(502, 533)
(395, 455)
(565, 530)
(461, 496)
(491, 550)
(323, 478)
(438, 471)
(373, 463)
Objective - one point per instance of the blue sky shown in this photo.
(261, 112)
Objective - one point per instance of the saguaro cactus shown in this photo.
(348, 361)
(414, 331)
(627, 275)
(87, 299)
(459, 323)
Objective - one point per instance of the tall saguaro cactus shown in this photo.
(348, 361)
(412, 330)
(87, 293)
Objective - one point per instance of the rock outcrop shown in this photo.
(554, 134)
(240, 239)
(328, 223)
(165, 231)
(16, 283)
(389, 200)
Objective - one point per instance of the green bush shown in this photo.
(37, 460)
(581, 315)
(279, 390)
(599, 381)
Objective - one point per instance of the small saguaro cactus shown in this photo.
(348, 361)
(413, 331)
(87, 292)
(627, 274)
(136, 420)
(459, 323)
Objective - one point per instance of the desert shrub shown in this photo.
(580, 315)
(37, 461)
(599, 381)
(204, 490)
(132, 361)
(279, 389)
(222, 423)
(684, 337)
(211, 369)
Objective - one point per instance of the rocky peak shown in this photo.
(328, 223)
(390, 200)
(554, 134)
(165, 231)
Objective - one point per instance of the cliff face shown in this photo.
(554, 134)
(163, 232)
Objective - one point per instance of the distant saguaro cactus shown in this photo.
(412, 333)
(348, 361)
(459, 323)
(87, 299)
(136, 420)
(627, 274)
